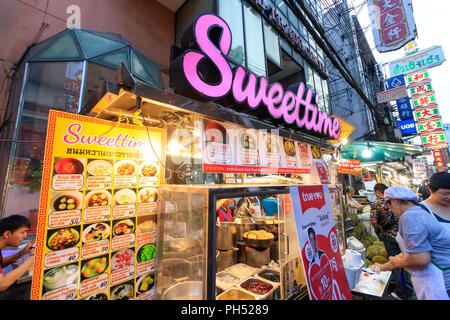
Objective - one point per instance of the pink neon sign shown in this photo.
(280, 103)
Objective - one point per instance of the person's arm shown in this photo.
(415, 261)
(6, 280)
(14, 257)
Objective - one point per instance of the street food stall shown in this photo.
(132, 188)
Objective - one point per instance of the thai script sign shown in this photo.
(392, 94)
(393, 23)
(424, 59)
(350, 166)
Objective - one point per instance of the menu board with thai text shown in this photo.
(96, 235)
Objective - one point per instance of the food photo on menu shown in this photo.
(124, 197)
(99, 167)
(68, 166)
(123, 291)
(98, 198)
(123, 227)
(146, 224)
(93, 267)
(122, 259)
(148, 169)
(69, 200)
(60, 277)
(148, 195)
(289, 147)
(145, 283)
(146, 253)
(96, 232)
(125, 168)
(63, 238)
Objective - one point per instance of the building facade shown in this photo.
(53, 67)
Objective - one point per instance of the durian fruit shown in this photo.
(373, 251)
(379, 259)
(378, 242)
(368, 263)
(383, 252)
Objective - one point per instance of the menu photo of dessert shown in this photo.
(97, 205)
(148, 173)
(217, 142)
(124, 203)
(99, 174)
(68, 174)
(125, 174)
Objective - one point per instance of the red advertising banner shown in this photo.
(350, 166)
(322, 262)
(322, 171)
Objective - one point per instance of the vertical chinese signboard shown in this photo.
(319, 243)
(441, 165)
(96, 236)
(393, 23)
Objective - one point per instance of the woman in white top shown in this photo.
(439, 200)
(352, 203)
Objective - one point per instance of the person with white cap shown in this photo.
(425, 245)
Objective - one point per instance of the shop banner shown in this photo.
(404, 108)
(393, 23)
(424, 101)
(392, 94)
(419, 89)
(418, 77)
(322, 171)
(422, 60)
(420, 168)
(396, 82)
(346, 130)
(430, 125)
(427, 113)
(319, 245)
(350, 166)
(434, 139)
(441, 165)
(96, 234)
(227, 148)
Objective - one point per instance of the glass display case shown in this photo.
(254, 256)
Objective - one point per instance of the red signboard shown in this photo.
(319, 245)
(439, 160)
(392, 23)
(350, 166)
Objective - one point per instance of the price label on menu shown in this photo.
(97, 175)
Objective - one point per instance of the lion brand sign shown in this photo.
(202, 72)
(319, 243)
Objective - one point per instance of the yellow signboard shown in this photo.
(96, 235)
(346, 130)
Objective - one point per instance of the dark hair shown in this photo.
(380, 187)
(311, 230)
(439, 180)
(12, 223)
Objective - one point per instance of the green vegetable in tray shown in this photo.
(147, 253)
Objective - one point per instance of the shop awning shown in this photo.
(370, 151)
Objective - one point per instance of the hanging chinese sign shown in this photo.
(350, 166)
(392, 94)
(424, 59)
(418, 77)
(404, 108)
(393, 23)
(425, 100)
(439, 160)
(434, 139)
(423, 88)
(96, 235)
(427, 113)
(430, 125)
(420, 168)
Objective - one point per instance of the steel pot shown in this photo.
(225, 235)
